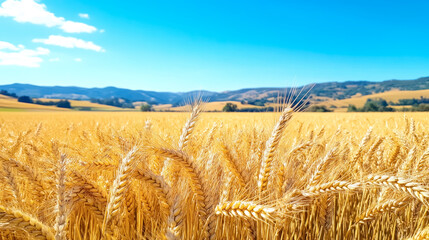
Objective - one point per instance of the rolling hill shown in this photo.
(83, 105)
(12, 104)
(336, 95)
(319, 92)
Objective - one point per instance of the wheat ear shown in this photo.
(195, 180)
(175, 220)
(364, 142)
(334, 186)
(371, 213)
(157, 184)
(414, 189)
(29, 224)
(29, 173)
(321, 167)
(189, 126)
(231, 166)
(89, 193)
(270, 148)
(248, 210)
(119, 188)
(422, 162)
(61, 219)
(11, 180)
(183, 141)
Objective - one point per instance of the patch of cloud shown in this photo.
(102, 30)
(77, 27)
(69, 42)
(30, 11)
(78, 59)
(84, 15)
(10, 55)
(54, 59)
(9, 46)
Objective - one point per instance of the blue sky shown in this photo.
(211, 45)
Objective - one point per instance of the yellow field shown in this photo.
(89, 175)
(12, 103)
(5, 97)
(359, 101)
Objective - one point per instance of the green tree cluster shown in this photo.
(372, 105)
(146, 107)
(318, 109)
(25, 99)
(230, 107)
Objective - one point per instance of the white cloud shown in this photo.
(54, 59)
(78, 59)
(19, 56)
(102, 30)
(9, 46)
(77, 27)
(69, 42)
(29, 11)
(84, 15)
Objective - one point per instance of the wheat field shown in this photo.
(199, 175)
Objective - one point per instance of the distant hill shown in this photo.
(321, 91)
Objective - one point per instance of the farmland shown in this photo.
(138, 175)
(390, 96)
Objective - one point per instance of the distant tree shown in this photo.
(416, 108)
(421, 108)
(114, 101)
(146, 107)
(352, 108)
(25, 99)
(370, 107)
(376, 105)
(63, 104)
(318, 109)
(6, 93)
(230, 107)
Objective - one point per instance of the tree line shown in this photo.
(381, 105)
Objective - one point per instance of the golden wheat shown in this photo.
(214, 175)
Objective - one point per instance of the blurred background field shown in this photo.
(166, 121)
